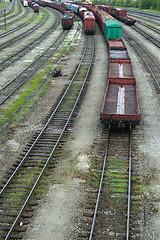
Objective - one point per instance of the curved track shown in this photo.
(24, 34)
(19, 11)
(14, 57)
(41, 152)
(6, 33)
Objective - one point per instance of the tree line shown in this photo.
(142, 4)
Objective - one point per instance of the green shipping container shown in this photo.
(113, 30)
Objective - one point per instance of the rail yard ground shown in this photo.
(61, 209)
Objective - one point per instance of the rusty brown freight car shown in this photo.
(121, 69)
(121, 106)
(89, 22)
(117, 50)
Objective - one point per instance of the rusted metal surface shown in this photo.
(120, 70)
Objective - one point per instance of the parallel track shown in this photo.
(10, 6)
(26, 33)
(6, 33)
(151, 64)
(19, 5)
(22, 77)
(153, 40)
(17, 55)
(41, 151)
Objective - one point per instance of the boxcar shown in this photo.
(120, 105)
(25, 3)
(89, 22)
(67, 20)
(75, 8)
(113, 30)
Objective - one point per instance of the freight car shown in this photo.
(33, 5)
(67, 20)
(109, 26)
(120, 105)
(86, 15)
(119, 13)
(89, 22)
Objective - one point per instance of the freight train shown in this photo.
(86, 15)
(33, 5)
(120, 106)
(119, 13)
(67, 19)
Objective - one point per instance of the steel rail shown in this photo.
(58, 140)
(6, 33)
(10, 6)
(15, 15)
(149, 55)
(24, 34)
(129, 185)
(15, 56)
(34, 70)
(147, 36)
(145, 14)
(148, 26)
(26, 101)
(100, 188)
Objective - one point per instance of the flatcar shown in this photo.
(120, 105)
(89, 22)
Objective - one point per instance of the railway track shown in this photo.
(19, 11)
(156, 30)
(8, 32)
(26, 33)
(151, 64)
(153, 40)
(153, 16)
(9, 9)
(6, 120)
(40, 154)
(22, 77)
(114, 193)
(17, 55)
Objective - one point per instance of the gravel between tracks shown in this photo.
(58, 215)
